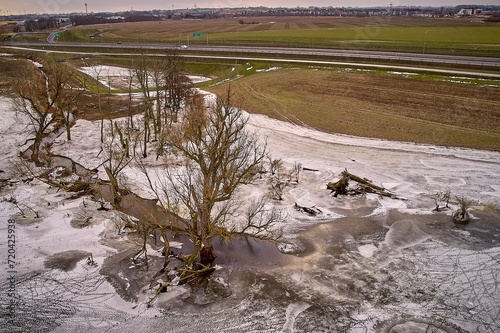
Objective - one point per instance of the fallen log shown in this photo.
(311, 211)
(6, 182)
(364, 186)
(339, 187)
(360, 180)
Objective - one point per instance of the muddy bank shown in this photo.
(67, 260)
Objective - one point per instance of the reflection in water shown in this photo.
(247, 251)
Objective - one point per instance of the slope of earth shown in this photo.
(379, 106)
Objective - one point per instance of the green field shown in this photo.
(77, 35)
(30, 37)
(459, 40)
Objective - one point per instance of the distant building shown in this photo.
(469, 12)
(231, 13)
(488, 13)
(11, 23)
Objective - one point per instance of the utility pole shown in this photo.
(425, 41)
(86, 10)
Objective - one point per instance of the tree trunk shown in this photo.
(207, 253)
(68, 130)
(166, 248)
(158, 115)
(36, 150)
(146, 129)
(102, 126)
(339, 187)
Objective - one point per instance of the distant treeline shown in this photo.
(91, 19)
(494, 18)
(40, 24)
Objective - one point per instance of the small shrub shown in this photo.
(462, 214)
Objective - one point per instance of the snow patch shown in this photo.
(198, 78)
(443, 180)
(292, 312)
(268, 69)
(367, 250)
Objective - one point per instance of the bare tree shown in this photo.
(143, 76)
(117, 154)
(157, 77)
(220, 156)
(177, 86)
(31, 101)
(277, 188)
(462, 214)
(165, 90)
(130, 81)
(295, 172)
(97, 71)
(442, 198)
(276, 166)
(44, 99)
(60, 76)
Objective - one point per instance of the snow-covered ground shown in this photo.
(119, 78)
(110, 76)
(366, 264)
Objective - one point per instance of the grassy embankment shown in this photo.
(111, 106)
(11, 70)
(371, 105)
(78, 35)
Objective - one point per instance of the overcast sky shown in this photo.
(67, 6)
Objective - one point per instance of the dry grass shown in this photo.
(14, 69)
(171, 28)
(378, 106)
(11, 70)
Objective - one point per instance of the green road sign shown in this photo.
(57, 34)
(198, 34)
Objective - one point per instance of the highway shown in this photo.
(334, 54)
(355, 55)
(495, 75)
